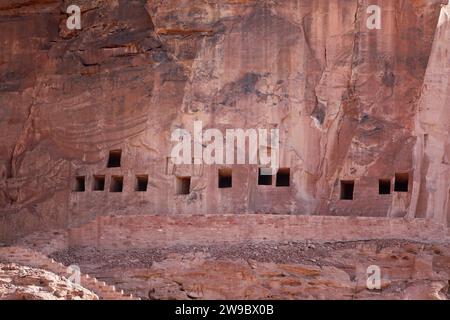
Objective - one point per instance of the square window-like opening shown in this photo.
(183, 185)
(347, 189)
(115, 158)
(264, 177)
(225, 178)
(283, 177)
(116, 184)
(384, 186)
(99, 183)
(141, 183)
(401, 182)
(80, 184)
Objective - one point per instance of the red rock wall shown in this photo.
(432, 153)
(344, 98)
(140, 231)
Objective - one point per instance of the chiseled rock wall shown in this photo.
(147, 231)
(344, 98)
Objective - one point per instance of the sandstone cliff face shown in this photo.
(432, 151)
(344, 98)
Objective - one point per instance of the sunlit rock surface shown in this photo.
(25, 283)
(344, 97)
(362, 114)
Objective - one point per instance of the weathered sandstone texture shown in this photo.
(280, 270)
(124, 232)
(352, 104)
(86, 173)
(256, 256)
(30, 273)
(24, 283)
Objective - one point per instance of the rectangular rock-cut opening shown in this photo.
(384, 186)
(283, 177)
(116, 184)
(80, 184)
(141, 183)
(99, 183)
(183, 185)
(347, 189)
(115, 158)
(225, 178)
(264, 177)
(401, 182)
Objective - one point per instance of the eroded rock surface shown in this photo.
(24, 283)
(353, 105)
(343, 96)
(288, 270)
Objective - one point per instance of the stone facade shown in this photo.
(357, 109)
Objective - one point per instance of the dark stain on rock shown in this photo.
(389, 79)
(319, 112)
(230, 93)
(160, 56)
(248, 82)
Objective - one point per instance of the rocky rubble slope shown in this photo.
(289, 270)
(24, 283)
